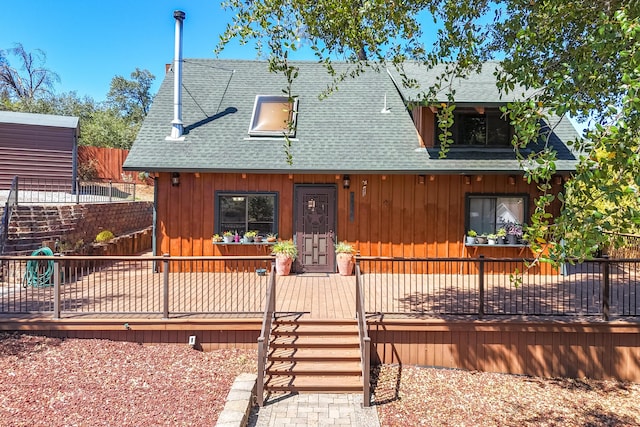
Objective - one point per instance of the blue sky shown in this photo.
(88, 42)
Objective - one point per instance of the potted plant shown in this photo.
(249, 235)
(471, 237)
(502, 235)
(272, 237)
(227, 236)
(285, 251)
(492, 239)
(344, 258)
(514, 233)
(482, 239)
(216, 238)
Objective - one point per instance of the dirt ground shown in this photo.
(73, 382)
(144, 193)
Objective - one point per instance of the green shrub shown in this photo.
(344, 248)
(104, 236)
(285, 248)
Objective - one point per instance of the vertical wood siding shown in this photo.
(579, 350)
(546, 349)
(36, 152)
(396, 215)
(424, 120)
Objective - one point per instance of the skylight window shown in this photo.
(274, 115)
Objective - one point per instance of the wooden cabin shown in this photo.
(364, 164)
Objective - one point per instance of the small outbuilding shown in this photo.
(37, 146)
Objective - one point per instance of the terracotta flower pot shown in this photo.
(345, 264)
(283, 265)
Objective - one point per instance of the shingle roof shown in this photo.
(38, 119)
(345, 132)
(477, 88)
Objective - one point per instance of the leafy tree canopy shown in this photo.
(133, 97)
(29, 87)
(557, 57)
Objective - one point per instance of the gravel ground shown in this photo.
(72, 382)
(413, 396)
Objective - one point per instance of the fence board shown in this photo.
(106, 163)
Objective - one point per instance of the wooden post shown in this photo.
(273, 297)
(605, 287)
(261, 367)
(16, 189)
(481, 287)
(56, 289)
(366, 380)
(165, 286)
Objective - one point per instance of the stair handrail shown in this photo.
(265, 333)
(365, 341)
(12, 200)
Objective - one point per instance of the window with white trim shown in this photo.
(241, 212)
(487, 213)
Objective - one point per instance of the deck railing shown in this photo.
(365, 341)
(265, 333)
(231, 286)
(62, 191)
(160, 287)
(6, 215)
(486, 286)
(629, 248)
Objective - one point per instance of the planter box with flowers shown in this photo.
(228, 236)
(470, 238)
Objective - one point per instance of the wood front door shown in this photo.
(314, 225)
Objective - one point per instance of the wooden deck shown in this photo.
(317, 295)
(124, 301)
(132, 288)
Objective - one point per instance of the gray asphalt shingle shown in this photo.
(345, 132)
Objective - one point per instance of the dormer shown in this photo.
(473, 126)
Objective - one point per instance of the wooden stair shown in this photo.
(319, 356)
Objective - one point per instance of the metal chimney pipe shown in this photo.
(176, 123)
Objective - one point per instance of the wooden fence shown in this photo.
(104, 164)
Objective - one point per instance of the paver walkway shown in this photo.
(316, 410)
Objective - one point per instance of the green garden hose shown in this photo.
(39, 272)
